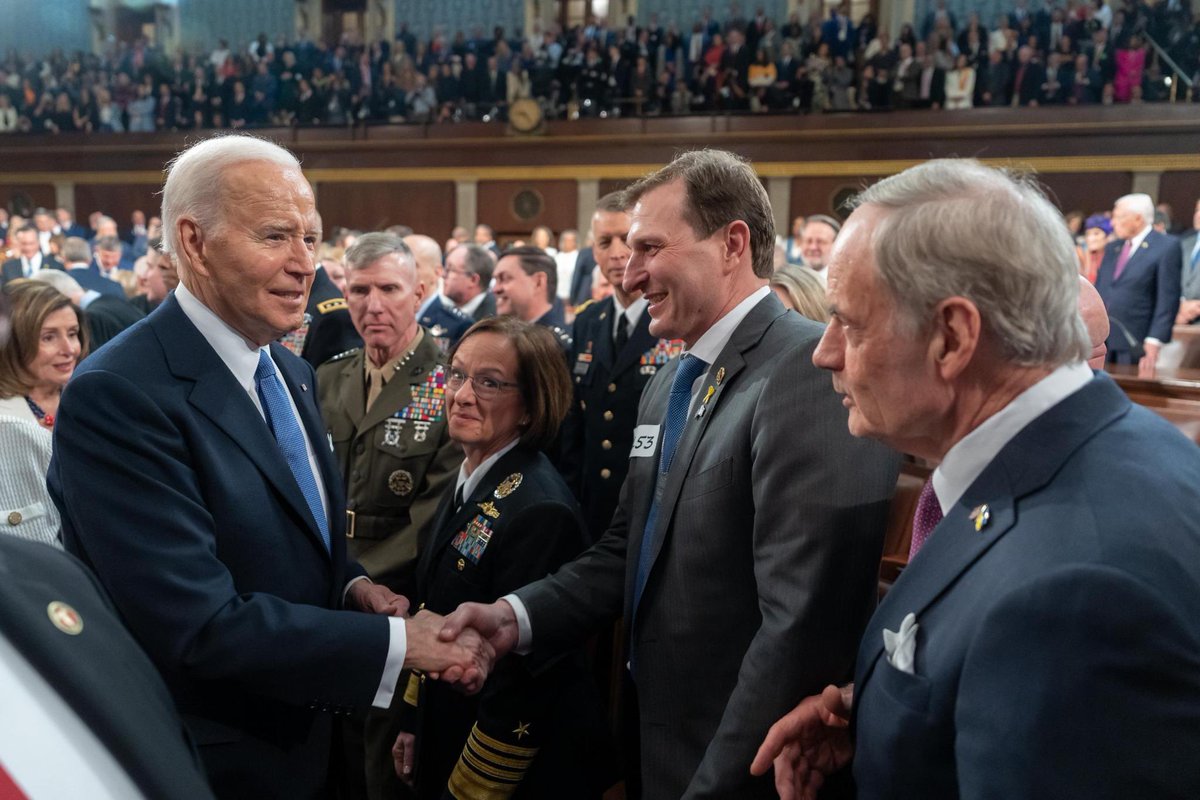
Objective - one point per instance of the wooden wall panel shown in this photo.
(1181, 190)
(117, 200)
(426, 207)
(1086, 192)
(495, 204)
(819, 195)
(613, 185)
(16, 197)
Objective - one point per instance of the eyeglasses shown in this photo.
(485, 387)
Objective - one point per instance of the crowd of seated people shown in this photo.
(1083, 52)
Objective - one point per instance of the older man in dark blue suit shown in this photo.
(1044, 640)
(1139, 280)
(194, 476)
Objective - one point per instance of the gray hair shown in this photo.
(1140, 204)
(195, 180)
(957, 228)
(75, 250)
(478, 262)
(61, 281)
(108, 243)
(370, 247)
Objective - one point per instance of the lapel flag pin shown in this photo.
(982, 516)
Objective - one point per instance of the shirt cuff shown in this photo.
(346, 591)
(397, 649)
(1151, 340)
(524, 629)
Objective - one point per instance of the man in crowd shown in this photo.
(106, 315)
(442, 319)
(159, 280)
(78, 257)
(526, 281)
(485, 237)
(1189, 253)
(67, 224)
(565, 259)
(745, 548)
(30, 257)
(108, 251)
(468, 275)
(1139, 280)
(817, 242)
(1044, 640)
(193, 477)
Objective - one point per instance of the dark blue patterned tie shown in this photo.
(290, 437)
(690, 368)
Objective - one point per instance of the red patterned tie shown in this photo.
(8, 787)
(929, 514)
(1123, 259)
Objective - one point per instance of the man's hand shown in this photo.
(809, 744)
(376, 599)
(1148, 362)
(1189, 310)
(404, 754)
(464, 661)
(496, 622)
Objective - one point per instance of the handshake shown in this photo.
(459, 649)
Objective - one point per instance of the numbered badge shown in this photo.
(645, 441)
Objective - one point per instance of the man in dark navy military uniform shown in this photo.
(439, 317)
(327, 330)
(613, 357)
(527, 287)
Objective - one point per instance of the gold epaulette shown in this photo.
(489, 769)
(333, 304)
(579, 308)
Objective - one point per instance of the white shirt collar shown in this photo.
(239, 355)
(1136, 241)
(472, 481)
(967, 459)
(471, 305)
(632, 312)
(713, 341)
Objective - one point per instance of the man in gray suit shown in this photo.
(1189, 248)
(744, 551)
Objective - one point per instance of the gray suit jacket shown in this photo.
(767, 546)
(1190, 277)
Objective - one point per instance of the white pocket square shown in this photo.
(902, 647)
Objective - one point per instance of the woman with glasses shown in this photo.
(537, 729)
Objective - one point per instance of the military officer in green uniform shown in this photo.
(383, 408)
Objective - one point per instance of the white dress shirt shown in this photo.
(468, 480)
(471, 305)
(241, 357)
(565, 267)
(632, 312)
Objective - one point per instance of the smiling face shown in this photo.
(681, 275)
(384, 297)
(517, 292)
(58, 350)
(483, 426)
(883, 371)
(255, 266)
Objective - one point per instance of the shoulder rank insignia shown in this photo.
(508, 486)
(489, 508)
(333, 304)
(472, 540)
(345, 354)
(428, 398)
(294, 340)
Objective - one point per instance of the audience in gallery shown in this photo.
(1080, 53)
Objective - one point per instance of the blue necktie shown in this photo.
(690, 368)
(290, 437)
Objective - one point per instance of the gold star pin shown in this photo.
(522, 729)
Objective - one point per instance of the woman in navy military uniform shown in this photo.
(537, 729)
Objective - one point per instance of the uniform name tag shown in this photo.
(645, 440)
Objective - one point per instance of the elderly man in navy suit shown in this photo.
(1044, 640)
(194, 476)
(1139, 280)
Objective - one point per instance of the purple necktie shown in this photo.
(1123, 259)
(929, 514)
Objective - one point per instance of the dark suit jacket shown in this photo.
(1190, 283)
(767, 551)
(486, 309)
(598, 432)
(100, 673)
(330, 329)
(1058, 649)
(107, 316)
(172, 488)
(12, 268)
(1146, 296)
(581, 279)
(95, 282)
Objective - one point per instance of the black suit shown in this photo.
(485, 309)
(1145, 298)
(100, 672)
(581, 279)
(107, 316)
(327, 330)
(93, 281)
(13, 268)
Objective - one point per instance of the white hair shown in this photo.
(61, 281)
(1140, 204)
(370, 247)
(194, 181)
(957, 228)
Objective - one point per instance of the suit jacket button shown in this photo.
(606, 444)
(608, 416)
(14, 518)
(358, 448)
(606, 473)
(583, 405)
(612, 387)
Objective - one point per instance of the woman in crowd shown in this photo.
(801, 290)
(1131, 64)
(508, 520)
(960, 84)
(1097, 232)
(46, 340)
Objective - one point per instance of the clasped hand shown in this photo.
(463, 660)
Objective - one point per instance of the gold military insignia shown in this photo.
(508, 486)
(65, 618)
(401, 482)
(335, 304)
(522, 729)
(461, 565)
(720, 375)
(490, 509)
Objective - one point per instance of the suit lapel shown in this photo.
(217, 396)
(1026, 464)
(602, 343)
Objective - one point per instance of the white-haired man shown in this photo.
(198, 484)
(1139, 280)
(1044, 640)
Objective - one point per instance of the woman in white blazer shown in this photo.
(960, 84)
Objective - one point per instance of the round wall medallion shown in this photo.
(527, 204)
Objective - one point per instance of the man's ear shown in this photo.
(737, 240)
(956, 336)
(191, 246)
